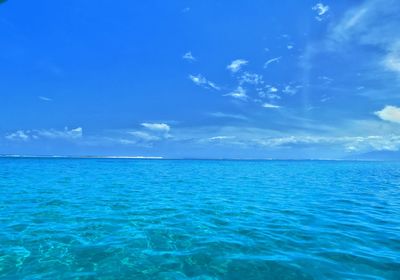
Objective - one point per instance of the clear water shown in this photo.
(143, 219)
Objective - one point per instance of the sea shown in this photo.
(67, 218)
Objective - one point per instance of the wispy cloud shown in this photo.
(392, 60)
(25, 135)
(325, 80)
(220, 138)
(251, 78)
(145, 136)
(159, 127)
(236, 65)
(363, 25)
(272, 60)
(202, 81)
(348, 143)
(351, 21)
(321, 10)
(18, 135)
(61, 134)
(325, 98)
(229, 116)
(290, 90)
(389, 113)
(270, 106)
(44, 98)
(239, 93)
(344, 143)
(269, 92)
(153, 132)
(189, 57)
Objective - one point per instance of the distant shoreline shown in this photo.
(86, 157)
(163, 158)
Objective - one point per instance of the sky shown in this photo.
(256, 79)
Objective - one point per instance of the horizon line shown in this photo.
(182, 158)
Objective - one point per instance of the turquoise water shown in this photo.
(183, 219)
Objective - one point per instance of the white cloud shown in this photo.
(291, 90)
(159, 127)
(272, 60)
(289, 47)
(270, 106)
(62, 134)
(392, 60)
(251, 78)
(229, 116)
(269, 92)
(336, 141)
(239, 93)
(26, 135)
(389, 113)
(188, 56)
(236, 65)
(144, 136)
(340, 144)
(346, 143)
(321, 10)
(19, 135)
(155, 132)
(273, 96)
(273, 89)
(123, 141)
(350, 22)
(364, 25)
(201, 81)
(219, 138)
(44, 98)
(325, 98)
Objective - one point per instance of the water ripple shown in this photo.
(141, 219)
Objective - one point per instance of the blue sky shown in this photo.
(203, 79)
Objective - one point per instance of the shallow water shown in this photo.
(184, 219)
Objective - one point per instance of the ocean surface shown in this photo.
(198, 219)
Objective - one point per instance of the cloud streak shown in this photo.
(239, 93)
(203, 82)
(44, 98)
(228, 116)
(272, 60)
(364, 25)
(270, 106)
(236, 65)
